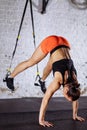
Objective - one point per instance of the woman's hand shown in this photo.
(78, 118)
(46, 123)
(75, 111)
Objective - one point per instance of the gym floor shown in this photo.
(22, 114)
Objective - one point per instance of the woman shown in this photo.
(63, 70)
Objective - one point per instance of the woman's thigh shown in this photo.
(37, 56)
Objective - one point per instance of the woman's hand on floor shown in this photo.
(46, 123)
(79, 118)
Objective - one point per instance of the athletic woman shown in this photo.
(63, 70)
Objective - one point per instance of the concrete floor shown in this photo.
(22, 114)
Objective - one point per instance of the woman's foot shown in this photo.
(9, 82)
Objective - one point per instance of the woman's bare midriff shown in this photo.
(62, 53)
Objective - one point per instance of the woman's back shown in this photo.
(61, 53)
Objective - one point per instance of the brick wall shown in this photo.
(61, 18)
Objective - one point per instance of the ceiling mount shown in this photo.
(81, 4)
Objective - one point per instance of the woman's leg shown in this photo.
(37, 56)
(47, 70)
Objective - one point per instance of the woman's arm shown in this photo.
(75, 111)
(50, 91)
(43, 109)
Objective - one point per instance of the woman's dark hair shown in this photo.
(74, 91)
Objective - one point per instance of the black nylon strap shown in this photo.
(19, 32)
(20, 27)
(32, 20)
(9, 69)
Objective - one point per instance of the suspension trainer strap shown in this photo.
(18, 33)
(9, 69)
(32, 20)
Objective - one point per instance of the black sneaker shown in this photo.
(42, 85)
(9, 83)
